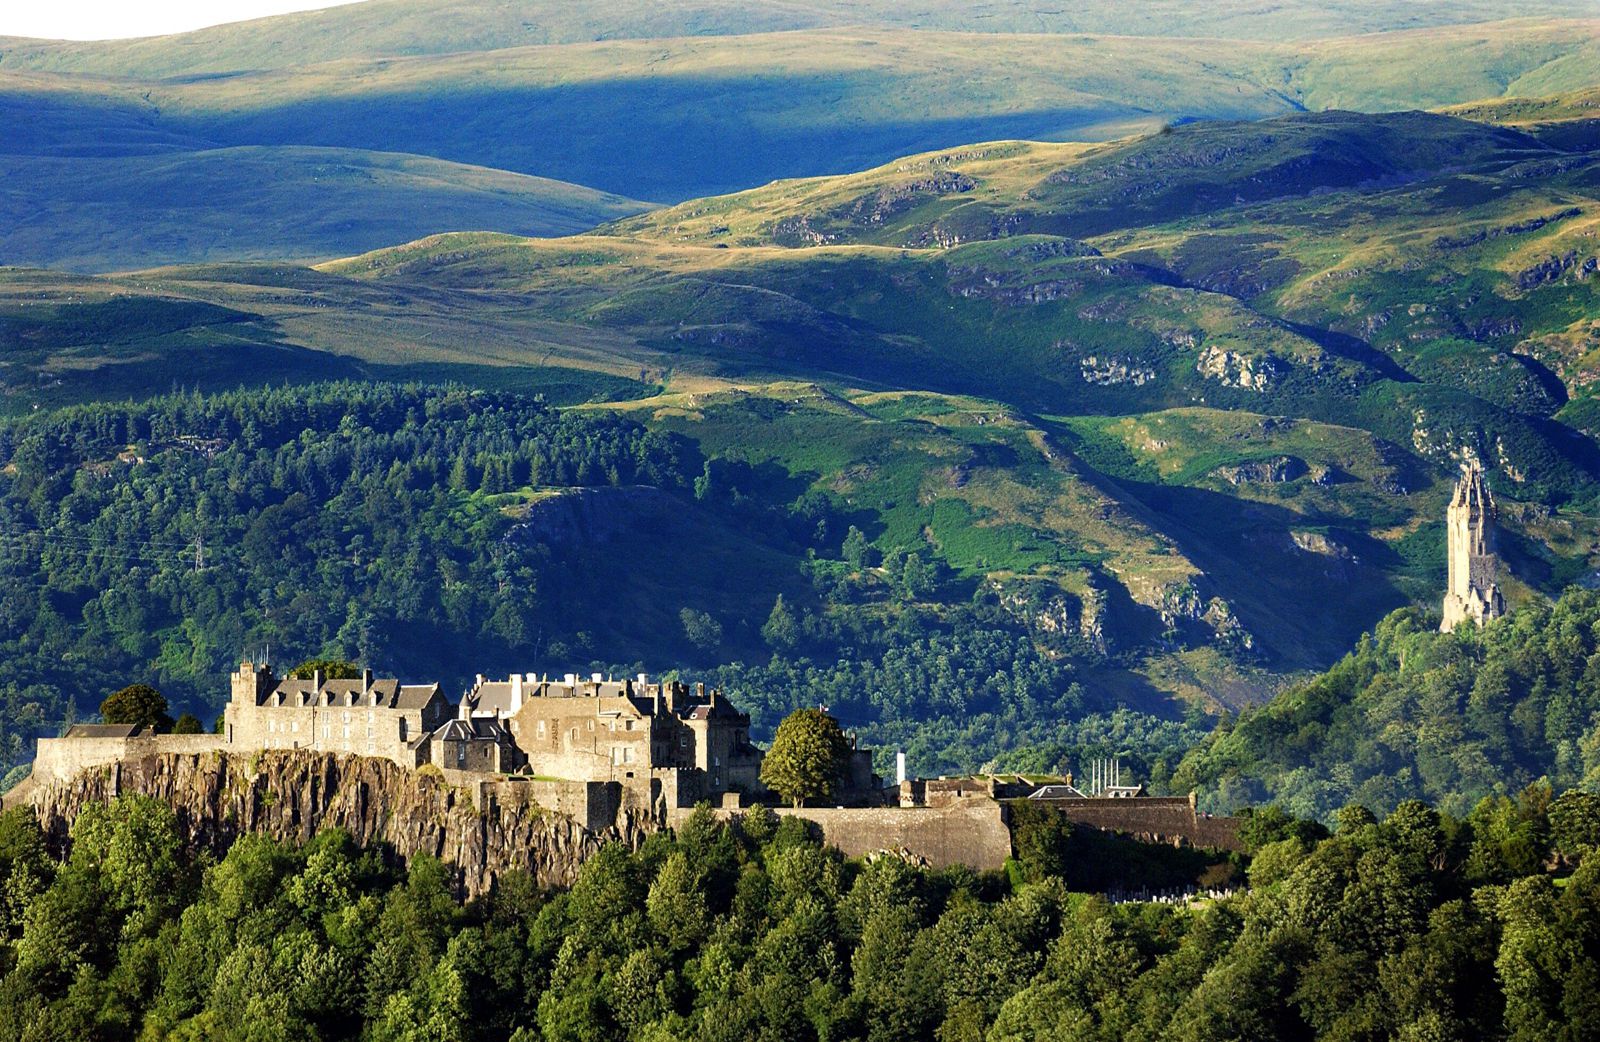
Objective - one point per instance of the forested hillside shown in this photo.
(1412, 713)
(1420, 926)
(437, 533)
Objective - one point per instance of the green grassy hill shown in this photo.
(232, 145)
(122, 212)
(628, 116)
(384, 28)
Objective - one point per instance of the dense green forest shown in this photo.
(1413, 713)
(436, 533)
(1418, 927)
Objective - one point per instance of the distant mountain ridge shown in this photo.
(396, 28)
(628, 118)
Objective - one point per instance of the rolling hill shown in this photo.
(1159, 387)
(395, 119)
(394, 28)
(626, 116)
(104, 213)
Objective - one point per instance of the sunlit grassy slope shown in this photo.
(628, 116)
(381, 28)
(248, 148)
(1187, 377)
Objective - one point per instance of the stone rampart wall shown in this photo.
(972, 832)
(58, 759)
(1153, 819)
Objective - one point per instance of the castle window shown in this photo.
(541, 729)
(627, 725)
(402, 728)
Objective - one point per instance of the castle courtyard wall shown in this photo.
(58, 759)
(971, 833)
(1170, 820)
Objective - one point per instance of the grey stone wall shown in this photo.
(972, 832)
(1169, 820)
(58, 759)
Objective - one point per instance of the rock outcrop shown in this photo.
(481, 831)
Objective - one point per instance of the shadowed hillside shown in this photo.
(628, 116)
(120, 212)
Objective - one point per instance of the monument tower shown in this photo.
(1472, 594)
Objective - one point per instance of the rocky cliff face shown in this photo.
(482, 832)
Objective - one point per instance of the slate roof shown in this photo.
(1056, 792)
(391, 693)
(478, 730)
(103, 730)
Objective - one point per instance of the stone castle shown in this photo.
(530, 772)
(1473, 594)
(669, 745)
(681, 744)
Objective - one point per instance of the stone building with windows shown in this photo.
(668, 744)
(691, 741)
(364, 716)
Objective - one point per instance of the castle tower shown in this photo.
(251, 684)
(1472, 593)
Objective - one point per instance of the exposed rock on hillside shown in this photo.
(292, 795)
(1111, 371)
(1272, 471)
(1242, 371)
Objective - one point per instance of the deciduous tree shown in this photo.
(136, 704)
(808, 757)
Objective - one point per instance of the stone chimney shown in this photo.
(317, 679)
(366, 681)
(516, 692)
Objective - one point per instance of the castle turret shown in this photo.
(1472, 594)
(251, 684)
